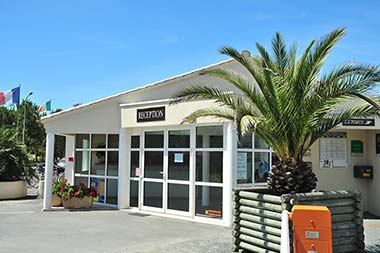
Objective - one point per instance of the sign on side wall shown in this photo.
(356, 148)
(151, 114)
(359, 122)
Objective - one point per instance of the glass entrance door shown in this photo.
(166, 171)
(154, 170)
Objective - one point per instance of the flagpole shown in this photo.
(23, 128)
(17, 116)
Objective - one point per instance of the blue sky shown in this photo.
(79, 51)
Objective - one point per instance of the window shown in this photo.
(210, 137)
(209, 166)
(97, 164)
(208, 201)
(154, 139)
(253, 162)
(179, 139)
(209, 171)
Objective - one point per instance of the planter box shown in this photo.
(257, 218)
(75, 203)
(13, 189)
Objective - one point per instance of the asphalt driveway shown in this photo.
(25, 228)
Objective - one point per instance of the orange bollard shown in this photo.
(312, 231)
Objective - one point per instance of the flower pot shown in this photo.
(75, 203)
(13, 189)
(55, 201)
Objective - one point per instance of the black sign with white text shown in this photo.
(359, 122)
(151, 114)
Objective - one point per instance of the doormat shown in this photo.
(139, 214)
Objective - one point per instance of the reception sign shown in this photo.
(151, 114)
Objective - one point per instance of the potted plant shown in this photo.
(290, 104)
(74, 196)
(15, 167)
(56, 201)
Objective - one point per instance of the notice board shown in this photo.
(333, 150)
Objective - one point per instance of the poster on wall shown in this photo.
(242, 166)
(377, 143)
(98, 184)
(333, 150)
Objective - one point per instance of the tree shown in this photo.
(289, 102)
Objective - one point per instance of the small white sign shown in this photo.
(312, 235)
(137, 172)
(178, 158)
(242, 166)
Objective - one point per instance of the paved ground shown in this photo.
(24, 228)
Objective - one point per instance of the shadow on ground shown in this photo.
(373, 248)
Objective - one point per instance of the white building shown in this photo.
(134, 149)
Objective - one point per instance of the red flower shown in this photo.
(75, 194)
(68, 197)
(91, 193)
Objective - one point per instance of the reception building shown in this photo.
(134, 148)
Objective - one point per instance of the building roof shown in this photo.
(150, 85)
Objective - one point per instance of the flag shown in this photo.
(45, 106)
(10, 97)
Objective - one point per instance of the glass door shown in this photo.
(166, 163)
(178, 177)
(153, 170)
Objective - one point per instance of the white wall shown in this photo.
(343, 178)
(100, 118)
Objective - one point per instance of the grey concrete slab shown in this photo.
(25, 228)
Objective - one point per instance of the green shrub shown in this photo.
(14, 161)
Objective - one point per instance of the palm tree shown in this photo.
(289, 102)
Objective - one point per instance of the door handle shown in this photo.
(161, 172)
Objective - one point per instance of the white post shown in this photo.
(48, 170)
(228, 178)
(69, 152)
(285, 248)
(124, 170)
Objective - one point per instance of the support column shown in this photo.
(48, 170)
(123, 183)
(69, 152)
(228, 168)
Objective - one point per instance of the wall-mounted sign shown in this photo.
(359, 122)
(356, 148)
(151, 114)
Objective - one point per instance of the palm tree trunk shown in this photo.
(292, 178)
